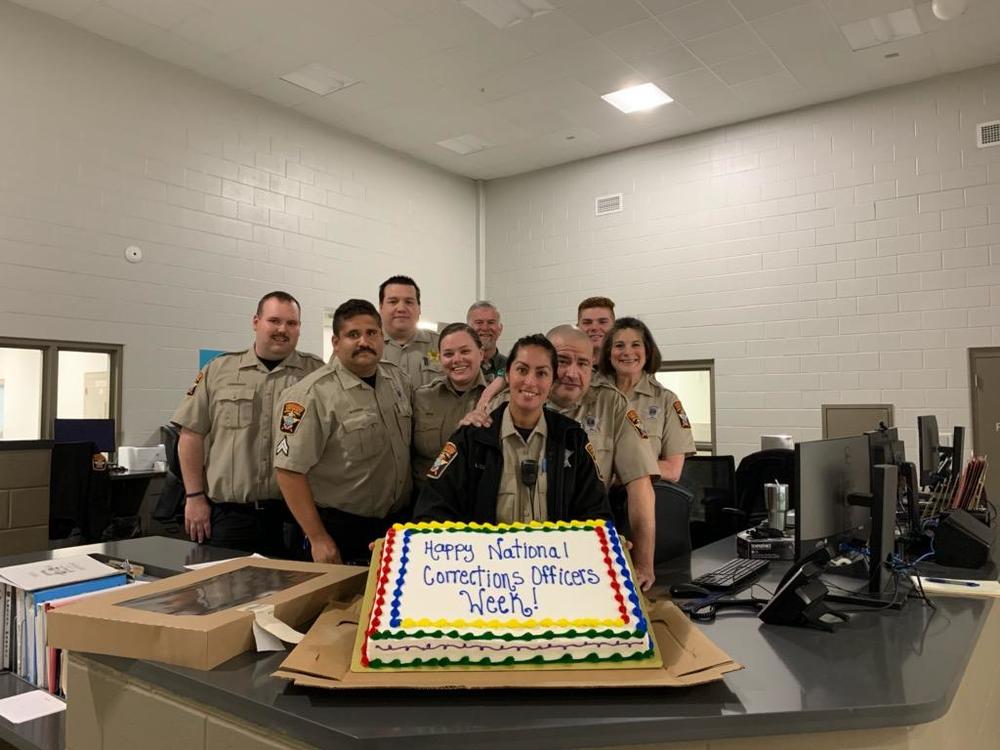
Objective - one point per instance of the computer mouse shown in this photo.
(688, 591)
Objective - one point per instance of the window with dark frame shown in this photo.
(44, 380)
(694, 383)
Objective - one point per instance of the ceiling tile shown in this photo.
(636, 40)
(694, 85)
(281, 92)
(115, 25)
(748, 67)
(221, 33)
(158, 12)
(666, 63)
(701, 18)
(166, 45)
(849, 11)
(768, 89)
(751, 9)
(59, 8)
(547, 32)
(657, 7)
(736, 41)
(600, 16)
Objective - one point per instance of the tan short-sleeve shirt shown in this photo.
(517, 502)
(351, 441)
(616, 432)
(232, 403)
(437, 407)
(417, 358)
(664, 418)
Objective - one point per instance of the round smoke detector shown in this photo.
(133, 254)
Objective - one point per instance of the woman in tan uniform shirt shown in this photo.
(629, 360)
(439, 405)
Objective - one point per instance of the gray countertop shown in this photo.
(886, 668)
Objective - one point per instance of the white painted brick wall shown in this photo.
(846, 253)
(229, 197)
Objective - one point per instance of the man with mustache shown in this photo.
(413, 349)
(342, 452)
(484, 318)
(226, 440)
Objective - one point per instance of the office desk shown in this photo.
(886, 680)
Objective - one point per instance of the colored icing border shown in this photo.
(591, 658)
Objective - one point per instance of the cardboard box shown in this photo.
(325, 655)
(202, 618)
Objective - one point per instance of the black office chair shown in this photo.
(673, 516)
(754, 471)
(79, 497)
(712, 482)
(170, 504)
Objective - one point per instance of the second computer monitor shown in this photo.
(827, 472)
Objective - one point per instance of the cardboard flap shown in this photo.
(323, 660)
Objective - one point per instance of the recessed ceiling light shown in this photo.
(465, 144)
(637, 98)
(506, 13)
(319, 79)
(872, 32)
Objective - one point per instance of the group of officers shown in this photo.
(288, 456)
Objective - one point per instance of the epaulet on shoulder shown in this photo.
(314, 357)
(610, 389)
(390, 365)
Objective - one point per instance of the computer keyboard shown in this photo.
(733, 575)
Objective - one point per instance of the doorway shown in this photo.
(984, 372)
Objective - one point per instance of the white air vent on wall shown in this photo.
(988, 134)
(608, 204)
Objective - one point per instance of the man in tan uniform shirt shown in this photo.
(617, 434)
(342, 451)
(415, 351)
(226, 441)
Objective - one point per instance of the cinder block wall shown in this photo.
(844, 253)
(24, 497)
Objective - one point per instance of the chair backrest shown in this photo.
(70, 476)
(673, 515)
(708, 478)
(758, 469)
(170, 502)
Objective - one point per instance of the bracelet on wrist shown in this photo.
(200, 493)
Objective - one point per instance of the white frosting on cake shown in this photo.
(545, 592)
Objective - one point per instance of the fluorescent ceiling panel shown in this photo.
(465, 144)
(872, 32)
(319, 79)
(506, 13)
(637, 98)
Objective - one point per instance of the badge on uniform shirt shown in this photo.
(633, 416)
(433, 355)
(593, 455)
(282, 448)
(194, 385)
(685, 422)
(291, 415)
(591, 423)
(445, 457)
(652, 412)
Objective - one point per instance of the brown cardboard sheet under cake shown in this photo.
(325, 655)
(201, 618)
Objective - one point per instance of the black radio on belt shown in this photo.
(529, 472)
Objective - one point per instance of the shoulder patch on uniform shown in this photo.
(282, 447)
(198, 378)
(444, 458)
(685, 422)
(593, 456)
(291, 415)
(633, 416)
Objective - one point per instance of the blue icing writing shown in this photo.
(555, 575)
(481, 603)
(478, 576)
(502, 548)
(447, 551)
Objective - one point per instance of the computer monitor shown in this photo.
(100, 432)
(957, 450)
(930, 453)
(827, 473)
